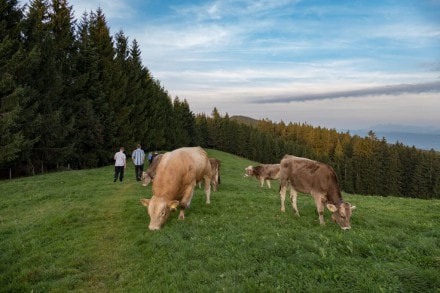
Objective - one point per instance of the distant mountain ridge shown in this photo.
(245, 120)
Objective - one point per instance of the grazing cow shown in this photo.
(215, 173)
(148, 176)
(174, 183)
(264, 172)
(317, 179)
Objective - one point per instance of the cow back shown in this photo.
(308, 176)
(271, 171)
(179, 169)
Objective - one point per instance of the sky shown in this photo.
(337, 64)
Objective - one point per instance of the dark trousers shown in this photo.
(119, 171)
(139, 169)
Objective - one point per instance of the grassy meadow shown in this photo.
(79, 231)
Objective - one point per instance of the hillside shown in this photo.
(79, 231)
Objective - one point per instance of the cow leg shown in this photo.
(261, 182)
(208, 189)
(319, 207)
(186, 200)
(268, 182)
(215, 182)
(293, 197)
(283, 189)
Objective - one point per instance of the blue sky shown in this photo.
(338, 64)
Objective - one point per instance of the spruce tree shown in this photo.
(139, 98)
(12, 94)
(44, 79)
(102, 44)
(120, 97)
(88, 102)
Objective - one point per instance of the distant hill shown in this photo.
(245, 120)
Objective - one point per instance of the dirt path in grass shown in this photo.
(111, 239)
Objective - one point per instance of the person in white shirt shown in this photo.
(138, 157)
(120, 164)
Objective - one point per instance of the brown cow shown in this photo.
(174, 183)
(318, 179)
(148, 175)
(264, 172)
(215, 173)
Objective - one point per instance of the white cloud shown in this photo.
(115, 9)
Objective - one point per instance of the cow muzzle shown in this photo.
(153, 228)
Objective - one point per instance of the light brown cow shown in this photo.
(148, 176)
(317, 179)
(174, 183)
(264, 172)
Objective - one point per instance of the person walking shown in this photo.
(138, 157)
(120, 164)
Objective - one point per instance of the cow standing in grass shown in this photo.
(317, 179)
(174, 183)
(264, 172)
(149, 175)
(215, 173)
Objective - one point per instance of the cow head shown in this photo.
(249, 171)
(159, 210)
(146, 178)
(341, 214)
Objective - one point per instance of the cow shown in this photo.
(148, 176)
(174, 183)
(264, 172)
(320, 181)
(215, 173)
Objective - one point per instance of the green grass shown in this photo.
(79, 231)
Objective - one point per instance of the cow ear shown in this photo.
(173, 204)
(145, 202)
(353, 207)
(331, 207)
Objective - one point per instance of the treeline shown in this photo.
(72, 94)
(364, 165)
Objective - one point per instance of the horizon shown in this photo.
(337, 65)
